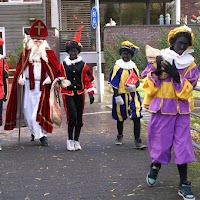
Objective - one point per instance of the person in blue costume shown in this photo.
(126, 101)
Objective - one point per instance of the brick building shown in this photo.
(63, 17)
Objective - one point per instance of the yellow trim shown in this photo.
(119, 113)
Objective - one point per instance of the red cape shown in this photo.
(43, 113)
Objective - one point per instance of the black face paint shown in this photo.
(73, 54)
(126, 56)
(180, 45)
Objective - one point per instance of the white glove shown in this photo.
(47, 81)
(130, 87)
(119, 100)
(22, 80)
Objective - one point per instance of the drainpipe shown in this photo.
(45, 12)
(148, 12)
(178, 11)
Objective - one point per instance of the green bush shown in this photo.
(111, 53)
(197, 46)
(13, 58)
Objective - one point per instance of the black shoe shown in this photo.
(0, 122)
(138, 145)
(119, 140)
(152, 175)
(44, 141)
(32, 137)
(185, 191)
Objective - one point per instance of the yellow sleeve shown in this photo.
(149, 92)
(149, 87)
(186, 92)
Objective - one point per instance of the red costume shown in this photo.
(43, 114)
(48, 68)
(80, 76)
(4, 70)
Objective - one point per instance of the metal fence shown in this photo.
(194, 128)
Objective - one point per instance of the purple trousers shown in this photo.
(167, 133)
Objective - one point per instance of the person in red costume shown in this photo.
(35, 71)
(4, 70)
(80, 76)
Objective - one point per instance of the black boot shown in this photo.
(44, 141)
(32, 137)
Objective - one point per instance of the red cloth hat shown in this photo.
(38, 30)
(1, 42)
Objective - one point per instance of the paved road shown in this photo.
(101, 171)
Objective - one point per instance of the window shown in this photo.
(20, 1)
(26, 33)
(2, 35)
(1, 47)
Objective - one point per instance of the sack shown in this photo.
(55, 108)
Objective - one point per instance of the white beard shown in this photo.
(38, 52)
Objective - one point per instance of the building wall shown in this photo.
(48, 13)
(189, 7)
(13, 18)
(146, 34)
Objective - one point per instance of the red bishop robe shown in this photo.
(43, 113)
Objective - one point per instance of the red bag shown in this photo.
(132, 79)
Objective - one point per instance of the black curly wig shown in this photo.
(72, 44)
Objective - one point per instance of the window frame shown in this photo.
(26, 35)
(19, 2)
(2, 30)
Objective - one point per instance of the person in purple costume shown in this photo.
(168, 83)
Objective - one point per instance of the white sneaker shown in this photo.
(77, 146)
(70, 145)
(0, 148)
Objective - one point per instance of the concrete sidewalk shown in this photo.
(101, 171)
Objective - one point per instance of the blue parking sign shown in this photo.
(94, 17)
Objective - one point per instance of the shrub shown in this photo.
(111, 53)
(12, 59)
(111, 50)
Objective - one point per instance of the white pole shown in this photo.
(54, 14)
(98, 50)
(178, 11)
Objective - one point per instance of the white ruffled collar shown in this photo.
(1, 56)
(72, 62)
(125, 65)
(181, 61)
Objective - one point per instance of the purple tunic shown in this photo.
(169, 126)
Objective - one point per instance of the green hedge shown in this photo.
(111, 52)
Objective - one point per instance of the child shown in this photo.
(126, 102)
(170, 106)
(80, 76)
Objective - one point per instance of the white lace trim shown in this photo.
(125, 65)
(72, 62)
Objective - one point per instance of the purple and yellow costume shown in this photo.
(170, 104)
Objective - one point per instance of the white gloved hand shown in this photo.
(130, 88)
(47, 81)
(22, 80)
(119, 100)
